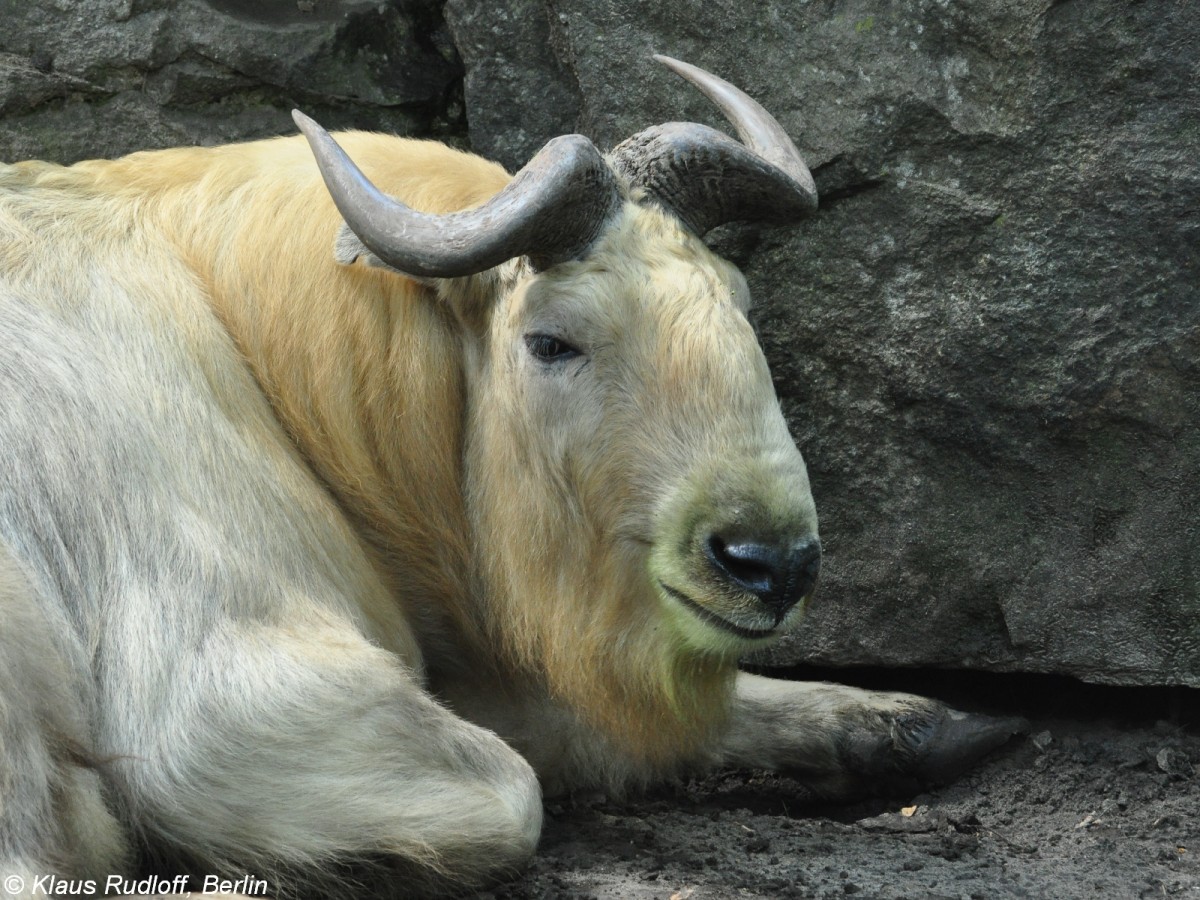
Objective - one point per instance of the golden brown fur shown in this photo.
(360, 367)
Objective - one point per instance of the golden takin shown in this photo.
(344, 515)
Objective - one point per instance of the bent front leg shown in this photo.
(307, 756)
(54, 816)
(846, 742)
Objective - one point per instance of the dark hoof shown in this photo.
(928, 747)
(946, 749)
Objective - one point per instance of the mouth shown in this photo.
(708, 616)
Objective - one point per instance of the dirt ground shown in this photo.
(1101, 800)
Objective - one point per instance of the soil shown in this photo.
(1100, 800)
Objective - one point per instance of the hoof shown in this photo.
(945, 749)
(926, 746)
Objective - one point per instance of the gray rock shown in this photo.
(517, 90)
(89, 78)
(986, 342)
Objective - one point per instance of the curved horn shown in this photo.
(705, 177)
(551, 211)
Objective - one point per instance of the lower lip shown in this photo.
(713, 619)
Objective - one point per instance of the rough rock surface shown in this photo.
(90, 78)
(986, 341)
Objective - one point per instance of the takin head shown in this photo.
(640, 511)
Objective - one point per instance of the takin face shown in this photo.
(641, 515)
(625, 399)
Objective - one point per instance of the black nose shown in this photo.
(779, 574)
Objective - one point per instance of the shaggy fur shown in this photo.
(311, 571)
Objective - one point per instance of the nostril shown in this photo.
(778, 574)
(751, 566)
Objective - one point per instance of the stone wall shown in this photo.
(88, 78)
(987, 342)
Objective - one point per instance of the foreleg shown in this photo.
(54, 820)
(845, 742)
(309, 757)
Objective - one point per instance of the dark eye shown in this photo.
(549, 349)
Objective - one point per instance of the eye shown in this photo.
(549, 349)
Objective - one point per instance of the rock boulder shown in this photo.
(987, 341)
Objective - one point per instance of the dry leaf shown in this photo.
(908, 811)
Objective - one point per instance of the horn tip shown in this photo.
(675, 65)
(304, 123)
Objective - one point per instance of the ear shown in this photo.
(348, 249)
